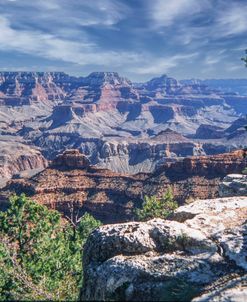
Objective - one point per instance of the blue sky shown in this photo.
(139, 39)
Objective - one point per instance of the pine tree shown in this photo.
(40, 253)
(154, 207)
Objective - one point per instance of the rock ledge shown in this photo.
(204, 245)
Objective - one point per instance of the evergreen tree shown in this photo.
(40, 252)
(154, 207)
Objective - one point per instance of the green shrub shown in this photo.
(154, 207)
(40, 253)
(244, 171)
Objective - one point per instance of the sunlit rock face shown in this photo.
(198, 254)
(71, 180)
(234, 185)
(55, 112)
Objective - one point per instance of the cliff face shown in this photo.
(118, 124)
(195, 177)
(198, 255)
(24, 88)
(17, 157)
(22, 163)
(110, 196)
(71, 182)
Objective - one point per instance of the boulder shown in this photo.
(234, 290)
(199, 250)
(233, 185)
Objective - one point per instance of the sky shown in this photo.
(140, 39)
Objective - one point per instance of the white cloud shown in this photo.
(51, 47)
(163, 65)
(67, 13)
(215, 57)
(220, 19)
(232, 20)
(165, 13)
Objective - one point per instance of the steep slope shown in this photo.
(17, 157)
(70, 181)
(118, 123)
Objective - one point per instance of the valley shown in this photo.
(119, 125)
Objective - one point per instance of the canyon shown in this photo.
(119, 125)
(73, 186)
(100, 144)
(197, 254)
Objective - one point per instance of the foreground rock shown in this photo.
(233, 290)
(200, 254)
(233, 185)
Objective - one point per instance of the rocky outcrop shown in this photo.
(72, 159)
(71, 182)
(104, 111)
(233, 290)
(209, 132)
(22, 163)
(195, 177)
(17, 157)
(199, 254)
(233, 185)
(111, 197)
(24, 88)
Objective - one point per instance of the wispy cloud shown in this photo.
(66, 12)
(165, 13)
(51, 47)
(163, 65)
(140, 38)
(232, 20)
(205, 20)
(215, 57)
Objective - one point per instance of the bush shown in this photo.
(40, 253)
(153, 207)
(244, 171)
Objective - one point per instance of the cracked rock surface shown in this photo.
(233, 185)
(199, 254)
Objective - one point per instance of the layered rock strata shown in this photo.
(112, 197)
(113, 120)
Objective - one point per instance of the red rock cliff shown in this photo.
(70, 182)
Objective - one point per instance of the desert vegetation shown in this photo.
(40, 252)
(154, 207)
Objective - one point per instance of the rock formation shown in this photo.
(199, 254)
(17, 157)
(71, 159)
(70, 181)
(118, 124)
(233, 185)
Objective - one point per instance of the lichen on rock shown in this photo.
(169, 260)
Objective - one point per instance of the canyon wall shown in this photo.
(70, 182)
(124, 126)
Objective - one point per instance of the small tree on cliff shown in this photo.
(40, 253)
(154, 207)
